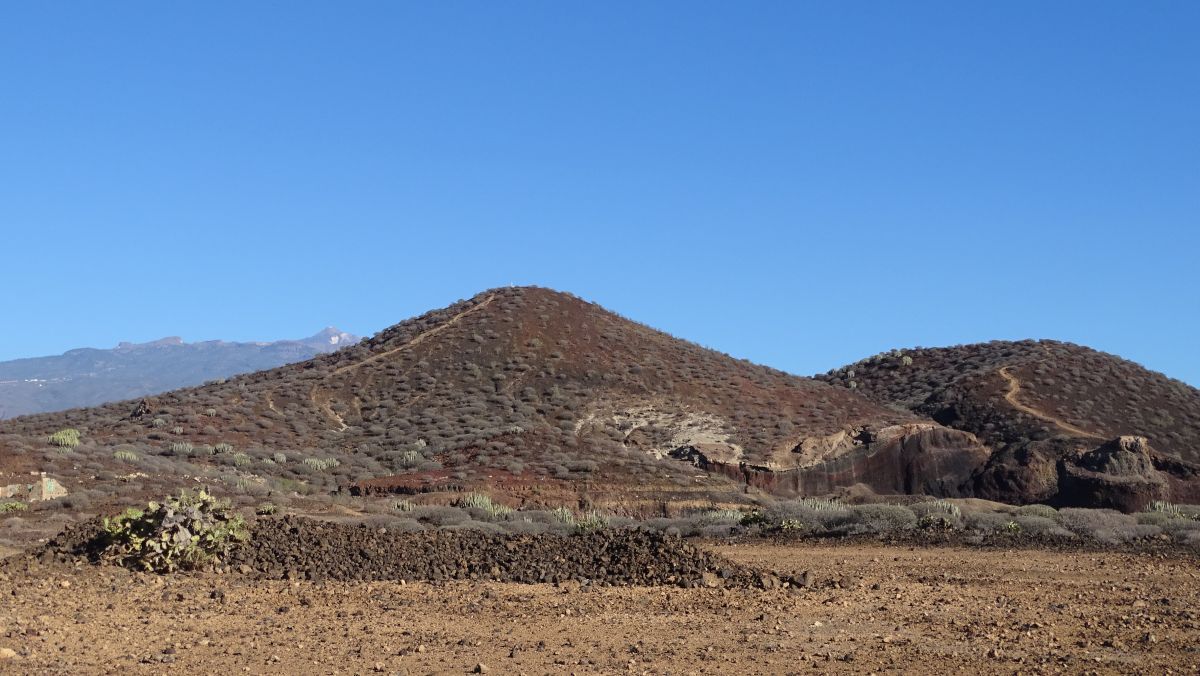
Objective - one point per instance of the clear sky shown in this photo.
(800, 184)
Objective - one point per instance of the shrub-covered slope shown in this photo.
(1064, 423)
(518, 386)
(1011, 392)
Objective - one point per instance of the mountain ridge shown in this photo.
(91, 376)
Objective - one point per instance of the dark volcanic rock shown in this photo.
(1119, 474)
(296, 547)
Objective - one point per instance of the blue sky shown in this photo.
(800, 184)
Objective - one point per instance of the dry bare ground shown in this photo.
(871, 608)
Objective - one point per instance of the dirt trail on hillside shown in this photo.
(1014, 389)
(871, 608)
(321, 397)
(420, 338)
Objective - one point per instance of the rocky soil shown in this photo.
(298, 548)
(869, 608)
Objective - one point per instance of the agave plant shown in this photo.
(68, 438)
(480, 501)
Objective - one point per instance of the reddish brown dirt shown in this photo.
(874, 608)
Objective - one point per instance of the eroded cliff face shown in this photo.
(911, 458)
(1119, 474)
(1126, 473)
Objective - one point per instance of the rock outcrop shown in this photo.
(1119, 474)
(911, 458)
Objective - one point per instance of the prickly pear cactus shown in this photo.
(179, 533)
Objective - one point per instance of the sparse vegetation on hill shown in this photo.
(523, 387)
(1062, 390)
(548, 400)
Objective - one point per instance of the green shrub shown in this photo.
(65, 438)
(1044, 511)
(803, 514)
(241, 460)
(179, 533)
(1100, 524)
(13, 506)
(992, 522)
(881, 519)
(158, 423)
(266, 509)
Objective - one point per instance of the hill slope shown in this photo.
(526, 390)
(1035, 402)
(89, 377)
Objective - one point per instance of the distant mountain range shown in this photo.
(89, 376)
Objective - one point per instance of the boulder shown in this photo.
(1119, 474)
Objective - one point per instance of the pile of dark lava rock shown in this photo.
(298, 548)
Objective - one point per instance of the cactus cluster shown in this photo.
(564, 516)
(591, 520)
(179, 533)
(125, 455)
(321, 464)
(482, 502)
(821, 505)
